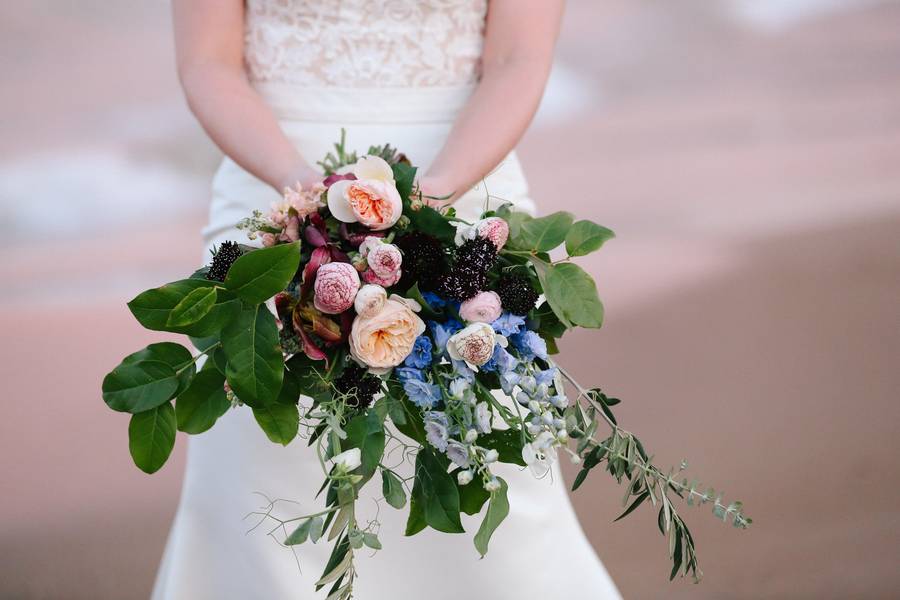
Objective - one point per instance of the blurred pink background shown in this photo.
(746, 152)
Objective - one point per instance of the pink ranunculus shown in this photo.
(473, 344)
(370, 276)
(335, 288)
(384, 259)
(494, 229)
(269, 240)
(484, 307)
(385, 339)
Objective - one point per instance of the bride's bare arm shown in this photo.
(518, 52)
(209, 42)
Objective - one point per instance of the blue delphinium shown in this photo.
(546, 376)
(433, 300)
(441, 332)
(501, 361)
(530, 345)
(421, 393)
(508, 324)
(420, 357)
(404, 374)
(436, 429)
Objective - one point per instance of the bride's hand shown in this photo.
(304, 175)
(436, 192)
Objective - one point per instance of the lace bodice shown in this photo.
(365, 43)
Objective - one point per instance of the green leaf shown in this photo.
(175, 355)
(437, 493)
(258, 275)
(299, 535)
(427, 311)
(202, 344)
(151, 437)
(316, 526)
(472, 497)
(585, 237)
(546, 233)
(416, 520)
(572, 294)
(192, 307)
(280, 421)
(392, 489)
(139, 386)
(255, 368)
(507, 442)
(413, 425)
(404, 176)
(153, 308)
(371, 540)
(633, 506)
(366, 433)
(201, 404)
(498, 509)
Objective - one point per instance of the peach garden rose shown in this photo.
(371, 199)
(385, 339)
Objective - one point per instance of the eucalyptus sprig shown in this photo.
(625, 458)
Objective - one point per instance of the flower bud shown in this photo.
(464, 477)
(547, 418)
(471, 436)
(562, 435)
(491, 456)
(534, 407)
(492, 485)
(559, 423)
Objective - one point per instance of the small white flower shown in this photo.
(471, 436)
(491, 456)
(483, 417)
(562, 435)
(492, 485)
(464, 477)
(348, 460)
(547, 418)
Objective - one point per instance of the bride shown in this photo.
(453, 84)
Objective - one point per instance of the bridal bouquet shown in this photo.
(368, 320)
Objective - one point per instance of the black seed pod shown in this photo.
(478, 253)
(223, 257)
(424, 260)
(462, 283)
(358, 386)
(516, 294)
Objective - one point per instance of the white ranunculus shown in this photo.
(370, 300)
(474, 344)
(348, 460)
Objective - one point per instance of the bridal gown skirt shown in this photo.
(540, 551)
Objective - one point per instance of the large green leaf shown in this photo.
(201, 404)
(280, 421)
(498, 509)
(585, 237)
(434, 490)
(366, 433)
(175, 355)
(255, 367)
(192, 307)
(260, 274)
(546, 233)
(153, 308)
(572, 294)
(472, 496)
(139, 386)
(151, 437)
(507, 442)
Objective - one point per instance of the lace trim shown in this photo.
(365, 43)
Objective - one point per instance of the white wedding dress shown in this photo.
(395, 71)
